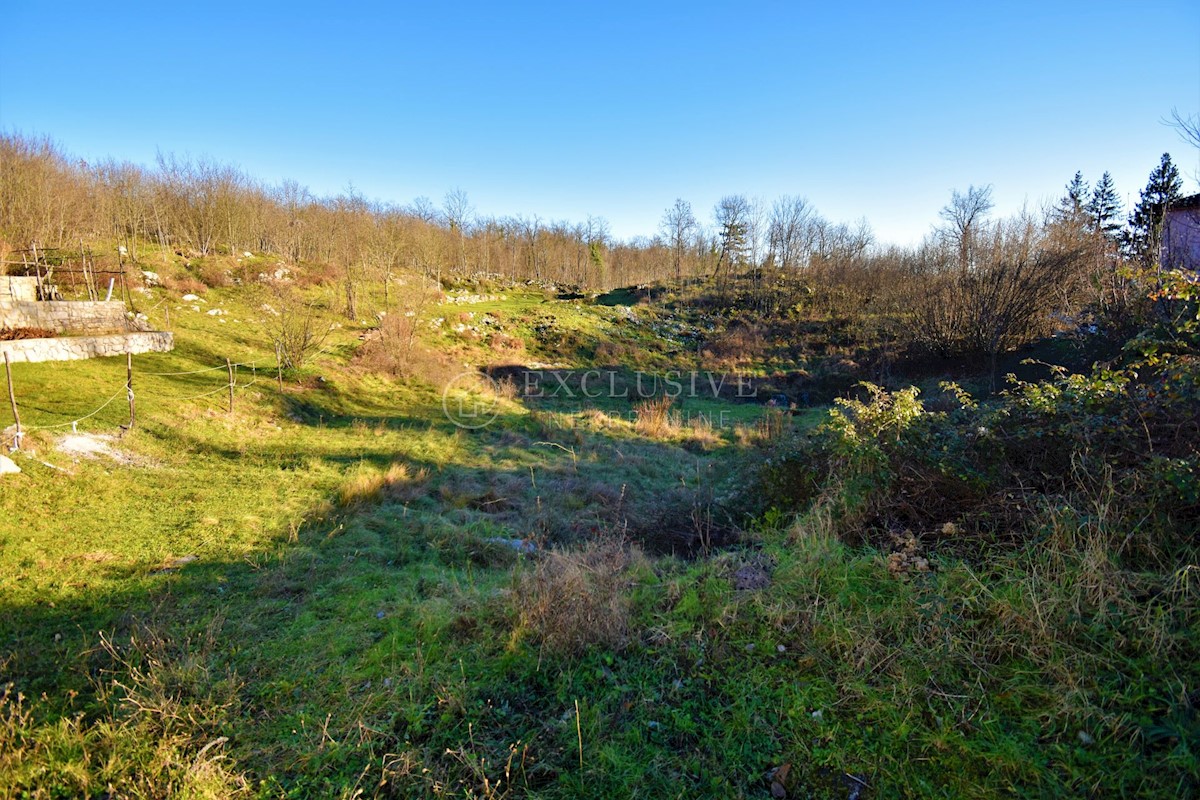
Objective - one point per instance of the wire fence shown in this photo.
(230, 386)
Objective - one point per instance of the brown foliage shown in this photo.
(13, 334)
(654, 417)
(574, 600)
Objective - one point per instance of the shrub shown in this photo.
(654, 417)
(184, 285)
(13, 334)
(294, 325)
(211, 274)
(976, 475)
(575, 600)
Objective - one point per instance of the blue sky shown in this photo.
(615, 109)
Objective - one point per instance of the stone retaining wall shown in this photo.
(16, 287)
(64, 315)
(72, 348)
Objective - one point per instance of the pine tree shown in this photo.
(1144, 234)
(1103, 209)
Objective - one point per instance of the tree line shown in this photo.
(973, 283)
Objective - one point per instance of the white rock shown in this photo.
(189, 298)
(8, 466)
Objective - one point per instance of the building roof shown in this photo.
(1184, 203)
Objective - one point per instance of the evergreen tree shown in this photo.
(1103, 209)
(1073, 204)
(1144, 234)
(732, 216)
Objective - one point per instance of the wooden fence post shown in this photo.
(12, 399)
(129, 389)
(229, 366)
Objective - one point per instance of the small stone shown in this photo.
(8, 466)
(1085, 739)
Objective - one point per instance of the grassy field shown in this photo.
(333, 591)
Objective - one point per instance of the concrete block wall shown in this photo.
(64, 316)
(74, 348)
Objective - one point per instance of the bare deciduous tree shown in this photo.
(678, 226)
(963, 216)
(790, 232)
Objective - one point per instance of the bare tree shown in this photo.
(963, 216)
(790, 232)
(678, 226)
(458, 211)
(1188, 126)
(1008, 296)
(294, 325)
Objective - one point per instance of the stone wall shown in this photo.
(72, 348)
(64, 316)
(14, 287)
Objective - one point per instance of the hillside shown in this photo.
(773, 582)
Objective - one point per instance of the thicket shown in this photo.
(1113, 449)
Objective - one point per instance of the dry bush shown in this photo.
(504, 343)
(211, 274)
(612, 353)
(184, 285)
(12, 334)
(654, 417)
(1018, 276)
(397, 483)
(294, 325)
(395, 347)
(768, 428)
(574, 600)
(740, 344)
(773, 424)
(505, 389)
(701, 435)
(392, 347)
(316, 274)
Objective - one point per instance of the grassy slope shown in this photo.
(380, 643)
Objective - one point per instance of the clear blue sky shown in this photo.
(615, 109)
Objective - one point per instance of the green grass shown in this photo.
(344, 633)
